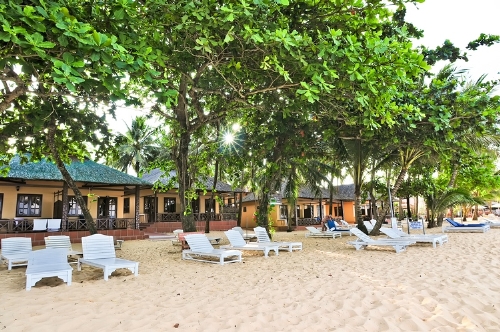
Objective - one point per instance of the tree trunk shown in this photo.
(212, 207)
(51, 142)
(185, 183)
(181, 156)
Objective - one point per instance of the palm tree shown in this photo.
(135, 148)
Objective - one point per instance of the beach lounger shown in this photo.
(15, 251)
(201, 249)
(246, 236)
(64, 242)
(262, 237)
(99, 251)
(345, 224)
(53, 225)
(314, 232)
(238, 243)
(337, 228)
(39, 225)
(430, 238)
(45, 263)
(491, 223)
(364, 240)
(468, 228)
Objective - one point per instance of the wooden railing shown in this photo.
(176, 217)
(72, 224)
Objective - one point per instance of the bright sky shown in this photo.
(460, 21)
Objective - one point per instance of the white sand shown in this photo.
(329, 286)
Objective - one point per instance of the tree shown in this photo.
(135, 148)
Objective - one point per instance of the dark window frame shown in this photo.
(78, 208)
(126, 205)
(30, 200)
(283, 207)
(167, 202)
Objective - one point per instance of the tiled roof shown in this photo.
(159, 175)
(343, 192)
(81, 171)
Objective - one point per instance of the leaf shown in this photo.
(63, 40)
(68, 58)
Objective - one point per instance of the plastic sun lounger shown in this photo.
(15, 251)
(50, 262)
(238, 243)
(99, 251)
(262, 237)
(62, 241)
(364, 240)
(314, 232)
(201, 248)
(468, 228)
(431, 238)
(247, 236)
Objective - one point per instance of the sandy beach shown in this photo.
(329, 286)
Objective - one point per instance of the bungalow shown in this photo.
(37, 191)
(310, 209)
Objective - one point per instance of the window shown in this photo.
(126, 205)
(283, 211)
(107, 206)
(244, 209)
(169, 204)
(338, 211)
(29, 206)
(74, 208)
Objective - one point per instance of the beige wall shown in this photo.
(48, 188)
(249, 209)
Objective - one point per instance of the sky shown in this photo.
(460, 21)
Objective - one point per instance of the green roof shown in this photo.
(81, 171)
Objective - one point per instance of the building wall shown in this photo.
(249, 208)
(48, 189)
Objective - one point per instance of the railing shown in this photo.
(73, 224)
(309, 221)
(176, 217)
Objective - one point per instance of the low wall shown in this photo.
(169, 227)
(37, 238)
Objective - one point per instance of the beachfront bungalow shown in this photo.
(162, 204)
(309, 211)
(36, 190)
(32, 191)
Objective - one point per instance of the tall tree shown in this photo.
(135, 148)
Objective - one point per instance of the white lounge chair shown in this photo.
(262, 237)
(53, 225)
(99, 251)
(364, 240)
(39, 225)
(15, 251)
(62, 242)
(345, 224)
(457, 227)
(314, 232)
(238, 243)
(369, 225)
(247, 236)
(338, 228)
(44, 263)
(200, 247)
(431, 238)
(491, 223)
